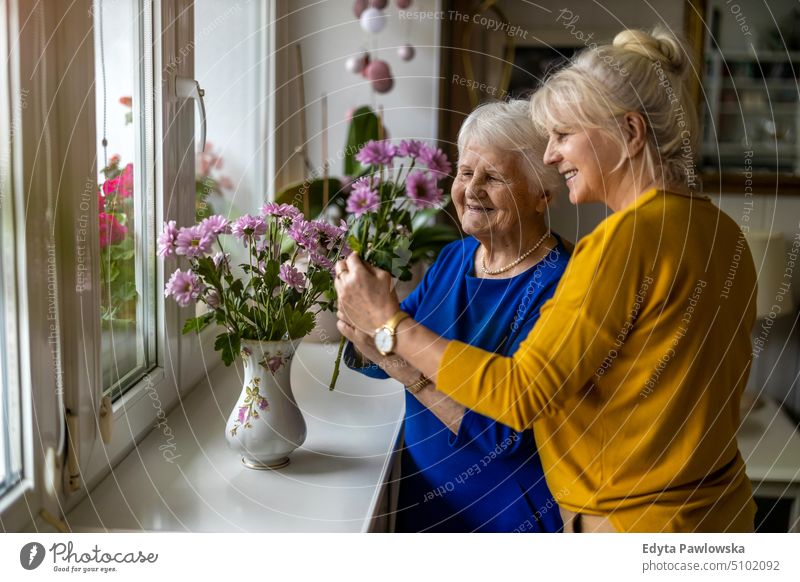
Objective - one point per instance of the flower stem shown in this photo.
(336, 364)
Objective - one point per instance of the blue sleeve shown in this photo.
(410, 305)
(372, 370)
(491, 437)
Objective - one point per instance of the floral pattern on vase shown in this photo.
(266, 425)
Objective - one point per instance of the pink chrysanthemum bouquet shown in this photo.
(403, 182)
(271, 297)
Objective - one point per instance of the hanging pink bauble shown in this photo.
(403, 4)
(359, 7)
(379, 4)
(354, 65)
(357, 62)
(406, 52)
(373, 20)
(381, 77)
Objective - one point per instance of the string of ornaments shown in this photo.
(373, 19)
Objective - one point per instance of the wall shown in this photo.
(329, 33)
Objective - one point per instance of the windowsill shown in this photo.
(335, 481)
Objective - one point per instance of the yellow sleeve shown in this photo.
(575, 332)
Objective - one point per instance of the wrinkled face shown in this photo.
(586, 159)
(492, 195)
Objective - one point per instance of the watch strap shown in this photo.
(395, 320)
(417, 386)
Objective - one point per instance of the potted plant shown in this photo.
(264, 307)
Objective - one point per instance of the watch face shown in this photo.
(384, 341)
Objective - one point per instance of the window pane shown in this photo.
(10, 416)
(125, 210)
(230, 57)
(4, 420)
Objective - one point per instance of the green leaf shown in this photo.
(382, 259)
(208, 271)
(197, 324)
(401, 262)
(299, 324)
(230, 344)
(354, 244)
(363, 127)
(237, 288)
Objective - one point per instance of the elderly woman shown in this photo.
(463, 471)
(632, 375)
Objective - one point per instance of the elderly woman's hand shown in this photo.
(366, 298)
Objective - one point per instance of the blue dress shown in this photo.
(486, 478)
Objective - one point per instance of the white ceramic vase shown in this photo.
(266, 425)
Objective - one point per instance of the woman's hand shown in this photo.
(366, 299)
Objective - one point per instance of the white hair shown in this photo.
(506, 126)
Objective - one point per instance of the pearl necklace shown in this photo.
(516, 262)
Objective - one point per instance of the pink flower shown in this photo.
(292, 277)
(112, 186)
(194, 241)
(304, 234)
(281, 210)
(166, 240)
(216, 225)
(410, 148)
(262, 402)
(274, 364)
(243, 413)
(225, 183)
(328, 235)
(111, 231)
(247, 228)
(377, 153)
(436, 160)
(184, 287)
(122, 185)
(221, 259)
(421, 189)
(363, 199)
(320, 260)
(207, 160)
(126, 181)
(114, 160)
(212, 299)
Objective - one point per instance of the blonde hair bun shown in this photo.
(658, 46)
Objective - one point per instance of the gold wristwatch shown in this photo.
(386, 335)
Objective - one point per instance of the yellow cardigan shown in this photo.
(632, 376)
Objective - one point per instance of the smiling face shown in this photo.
(586, 158)
(492, 195)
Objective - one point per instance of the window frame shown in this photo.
(138, 409)
(55, 58)
(144, 208)
(14, 268)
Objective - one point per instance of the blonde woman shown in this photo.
(632, 376)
